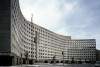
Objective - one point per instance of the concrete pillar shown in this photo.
(14, 60)
(21, 61)
(37, 46)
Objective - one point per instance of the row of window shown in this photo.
(25, 32)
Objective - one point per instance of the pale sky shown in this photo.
(79, 19)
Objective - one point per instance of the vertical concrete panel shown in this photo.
(5, 25)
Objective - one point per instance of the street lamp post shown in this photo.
(21, 59)
(63, 57)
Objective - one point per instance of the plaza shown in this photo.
(56, 65)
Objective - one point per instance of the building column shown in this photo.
(14, 60)
(37, 46)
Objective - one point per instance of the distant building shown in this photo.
(17, 35)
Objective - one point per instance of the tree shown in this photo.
(54, 58)
(80, 60)
(72, 60)
(85, 60)
(26, 56)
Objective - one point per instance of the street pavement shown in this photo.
(54, 65)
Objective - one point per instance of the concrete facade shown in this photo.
(17, 35)
(81, 49)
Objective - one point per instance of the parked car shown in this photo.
(97, 64)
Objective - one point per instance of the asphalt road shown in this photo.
(54, 65)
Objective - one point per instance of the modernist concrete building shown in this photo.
(81, 49)
(17, 35)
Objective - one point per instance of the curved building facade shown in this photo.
(22, 34)
(18, 36)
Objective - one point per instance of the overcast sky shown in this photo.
(77, 18)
